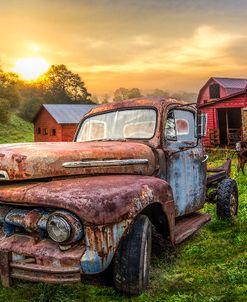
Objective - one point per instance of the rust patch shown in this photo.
(95, 200)
(45, 160)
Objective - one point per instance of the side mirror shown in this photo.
(202, 121)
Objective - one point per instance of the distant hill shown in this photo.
(17, 130)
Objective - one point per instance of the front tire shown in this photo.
(227, 199)
(132, 259)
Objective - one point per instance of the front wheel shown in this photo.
(227, 199)
(132, 259)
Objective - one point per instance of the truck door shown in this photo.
(186, 170)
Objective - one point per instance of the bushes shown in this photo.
(4, 111)
(30, 109)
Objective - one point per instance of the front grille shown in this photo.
(33, 222)
(23, 221)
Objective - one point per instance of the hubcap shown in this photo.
(233, 205)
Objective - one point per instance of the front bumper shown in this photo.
(38, 262)
(43, 261)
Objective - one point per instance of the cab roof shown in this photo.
(157, 102)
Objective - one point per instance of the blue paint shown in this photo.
(8, 229)
(185, 171)
(91, 262)
(96, 260)
(42, 223)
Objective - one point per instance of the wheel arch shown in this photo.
(162, 218)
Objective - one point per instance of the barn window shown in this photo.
(53, 132)
(38, 130)
(45, 131)
(214, 91)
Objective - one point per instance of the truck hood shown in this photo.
(45, 160)
(95, 200)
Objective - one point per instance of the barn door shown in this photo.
(230, 123)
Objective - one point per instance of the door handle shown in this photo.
(205, 158)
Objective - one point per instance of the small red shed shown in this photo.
(224, 100)
(58, 122)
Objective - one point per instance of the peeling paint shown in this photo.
(101, 244)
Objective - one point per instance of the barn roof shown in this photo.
(68, 113)
(232, 85)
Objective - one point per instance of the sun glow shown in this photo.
(31, 68)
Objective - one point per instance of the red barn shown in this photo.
(58, 122)
(224, 100)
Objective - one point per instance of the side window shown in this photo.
(170, 127)
(180, 126)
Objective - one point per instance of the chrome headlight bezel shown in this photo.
(72, 226)
(58, 223)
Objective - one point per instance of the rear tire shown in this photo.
(227, 199)
(132, 259)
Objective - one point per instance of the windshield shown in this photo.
(119, 125)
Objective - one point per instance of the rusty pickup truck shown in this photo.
(77, 208)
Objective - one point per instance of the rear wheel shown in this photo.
(227, 198)
(132, 259)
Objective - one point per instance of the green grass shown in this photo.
(211, 266)
(16, 130)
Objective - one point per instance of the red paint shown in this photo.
(210, 106)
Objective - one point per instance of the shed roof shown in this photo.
(232, 85)
(68, 113)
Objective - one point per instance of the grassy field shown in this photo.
(17, 130)
(211, 266)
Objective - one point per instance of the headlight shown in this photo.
(58, 228)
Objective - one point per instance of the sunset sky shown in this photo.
(167, 44)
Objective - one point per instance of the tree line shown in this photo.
(123, 94)
(58, 85)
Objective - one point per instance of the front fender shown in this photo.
(106, 205)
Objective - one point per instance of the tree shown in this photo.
(159, 92)
(123, 93)
(30, 108)
(94, 99)
(105, 99)
(61, 85)
(4, 111)
(9, 88)
(120, 94)
(134, 93)
(190, 97)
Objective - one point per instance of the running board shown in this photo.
(188, 225)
